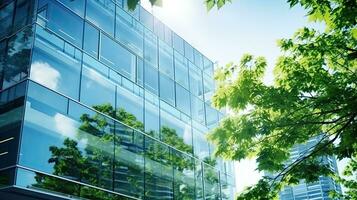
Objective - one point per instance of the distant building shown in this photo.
(101, 102)
(311, 191)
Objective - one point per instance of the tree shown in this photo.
(314, 93)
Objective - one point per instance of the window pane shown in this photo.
(211, 116)
(101, 13)
(208, 83)
(159, 29)
(166, 64)
(2, 60)
(140, 72)
(150, 53)
(131, 107)
(57, 18)
(152, 118)
(198, 59)
(146, 18)
(129, 161)
(167, 90)
(211, 183)
(75, 5)
(201, 147)
(129, 32)
(168, 35)
(188, 51)
(197, 108)
(134, 13)
(114, 55)
(158, 168)
(91, 40)
(181, 70)
(183, 99)
(208, 66)
(178, 44)
(96, 89)
(6, 14)
(196, 86)
(184, 177)
(151, 78)
(56, 67)
(24, 13)
(18, 57)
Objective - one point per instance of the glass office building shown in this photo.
(318, 190)
(101, 102)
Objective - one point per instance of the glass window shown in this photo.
(2, 60)
(196, 86)
(150, 52)
(159, 29)
(198, 59)
(167, 90)
(57, 19)
(129, 32)
(57, 68)
(199, 179)
(208, 87)
(140, 72)
(211, 182)
(168, 35)
(75, 5)
(128, 161)
(152, 118)
(197, 109)
(183, 99)
(211, 116)
(101, 13)
(181, 70)
(89, 141)
(24, 13)
(92, 63)
(166, 63)
(200, 145)
(6, 15)
(114, 55)
(96, 89)
(91, 40)
(184, 177)
(188, 51)
(178, 43)
(175, 132)
(134, 13)
(158, 170)
(17, 57)
(208, 66)
(151, 78)
(146, 18)
(132, 108)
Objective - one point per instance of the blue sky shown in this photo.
(243, 26)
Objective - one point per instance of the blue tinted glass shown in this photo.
(158, 170)
(134, 13)
(56, 68)
(96, 89)
(208, 83)
(2, 59)
(129, 32)
(150, 53)
(167, 90)
(91, 40)
(114, 55)
(184, 179)
(196, 82)
(57, 20)
(17, 57)
(6, 14)
(146, 18)
(166, 64)
(208, 66)
(151, 78)
(198, 59)
(197, 109)
(211, 182)
(183, 99)
(92, 63)
(199, 179)
(178, 43)
(168, 35)
(188, 51)
(76, 5)
(181, 70)
(159, 29)
(211, 116)
(201, 147)
(152, 126)
(101, 13)
(140, 72)
(130, 103)
(24, 13)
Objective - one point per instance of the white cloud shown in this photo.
(65, 126)
(43, 73)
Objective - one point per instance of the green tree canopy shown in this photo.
(314, 93)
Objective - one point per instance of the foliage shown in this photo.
(314, 94)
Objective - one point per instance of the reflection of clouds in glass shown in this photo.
(96, 77)
(43, 73)
(187, 136)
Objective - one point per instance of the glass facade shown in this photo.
(105, 103)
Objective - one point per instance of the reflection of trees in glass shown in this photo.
(94, 162)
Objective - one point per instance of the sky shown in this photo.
(243, 26)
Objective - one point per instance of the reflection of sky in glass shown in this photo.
(45, 74)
